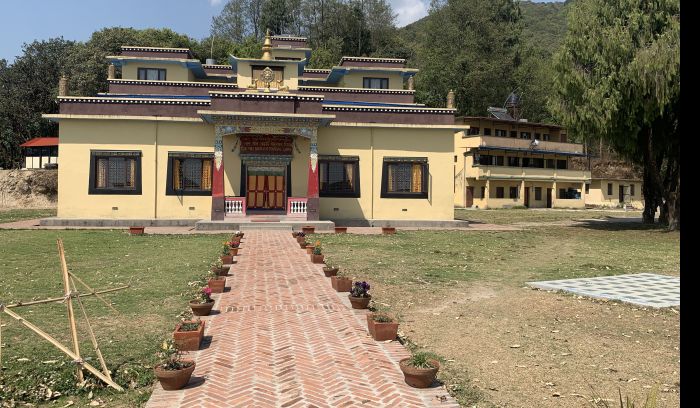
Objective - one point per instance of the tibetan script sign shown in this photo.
(266, 144)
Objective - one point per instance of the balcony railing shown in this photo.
(531, 173)
(296, 207)
(507, 142)
(235, 206)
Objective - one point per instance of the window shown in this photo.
(473, 131)
(525, 135)
(562, 138)
(549, 163)
(483, 192)
(115, 172)
(536, 162)
(588, 188)
(546, 137)
(339, 176)
(405, 177)
(526, 162)
(514, 161)
(569, 194)
(631, 190)
(537, 136)
(500, 192)
(257, 73)
(484, 159)
(561, 164)
(189, 173)
(375, 83)
(609, 189)
(287, 59)
(513, 133)
(498, 161)
(455, 158)
(151, 74)
(513, 192)
(487, 131)
(501, 133)
(538, 193)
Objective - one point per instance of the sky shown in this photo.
(28, 20)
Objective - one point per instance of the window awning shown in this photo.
(40, 142)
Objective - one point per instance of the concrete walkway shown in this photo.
(283, 337)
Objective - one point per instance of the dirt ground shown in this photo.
(520, 347)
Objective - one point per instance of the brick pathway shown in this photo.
(284, 338)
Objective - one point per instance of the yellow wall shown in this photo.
(289, 53)
(78, 137)
(175, 72)
(354, 79)
(245, 72)
(372, 145)
(598, 193)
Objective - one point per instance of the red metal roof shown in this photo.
(40, 141)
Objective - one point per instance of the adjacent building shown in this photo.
(177, 139)
(40, 152)
(502, 162)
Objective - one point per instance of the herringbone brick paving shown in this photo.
(285, 338)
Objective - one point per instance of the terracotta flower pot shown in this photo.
(359, 302)
(309, 249)
(226, 259)
(419, 377)
(235, 239)
(223, 271)
(217, 285)
(341, 283)
(382, 331)
(175, 379)
(233, 251)
(330, 271)
(308, 229)
(301, 239)
(317, 259)
(388, 230)
(341, 230)
(201, 309)
(302, 245)
(188, 340)
(136, 230)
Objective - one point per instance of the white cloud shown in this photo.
(215, 3)
(409, 11)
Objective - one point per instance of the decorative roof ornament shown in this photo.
(267, 77)
(267, 47)
(451, 99)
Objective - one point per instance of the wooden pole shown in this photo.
(92, 337)
(60, 299)
(92, 292)
(69, 305)
(63, 348)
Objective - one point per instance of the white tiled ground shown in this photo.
(644, 289)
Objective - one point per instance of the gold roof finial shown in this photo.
(267, 47)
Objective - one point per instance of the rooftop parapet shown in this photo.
(156, 52)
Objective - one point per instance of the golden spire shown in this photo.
(267, 47)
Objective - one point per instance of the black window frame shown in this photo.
(487, 131)
(382, 83)
(501, 132)
(529, 135)
(538, 193)
(498, 160)
(163, 71)
(610, 189)
(483, 192)
(98, 154)
(514, 134)
(473, 130)
(402, 160)
(500, 192)
(511, 189)
(172, 156)
(355, 160)
(563, 166)
(513, 161)
(632, 190)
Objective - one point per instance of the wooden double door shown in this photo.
(266, 191)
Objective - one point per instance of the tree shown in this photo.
(618, 78)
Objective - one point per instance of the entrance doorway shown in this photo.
(527, 197)
(549, 198)
(621, 193)
(266, 190)
(470, 197)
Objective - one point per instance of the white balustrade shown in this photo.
(296, 207)
(234, 206)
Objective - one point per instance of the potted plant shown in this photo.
(388, 230)
(136, 230)
(419, 370)
(330, 271)
(238, 234)
(303, 244)
(188, 334)
(308, 229)
(381, 326)
(202, 303)
(316, 255)
(233, 247)
(216, 283)
(359, 296)
(309, 248)
(341, 283)
(341, 230)
(173, 372)
(219, 268)
(301, 237)
(225, 257)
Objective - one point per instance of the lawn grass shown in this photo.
(158, 268)
(25, 214)
(516, 216)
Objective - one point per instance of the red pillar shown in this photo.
(218, 205)
(312, 200)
